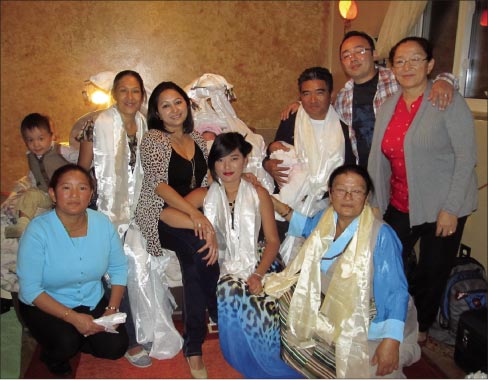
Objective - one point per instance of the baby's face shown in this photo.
(209, 136)
(38, 140)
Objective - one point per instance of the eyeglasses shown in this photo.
(414, 62)
(346, 55)
(355, 194)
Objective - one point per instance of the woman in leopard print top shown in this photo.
(174, 160)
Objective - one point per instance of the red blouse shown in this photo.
(392, 148)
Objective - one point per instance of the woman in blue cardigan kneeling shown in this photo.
(63, 255)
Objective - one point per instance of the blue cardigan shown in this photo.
(69, 269)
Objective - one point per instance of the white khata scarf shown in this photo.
(322, 152)
(343, 317)
(238, 243)
(118, 187)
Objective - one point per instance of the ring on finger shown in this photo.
(199, 225)
(445, 95)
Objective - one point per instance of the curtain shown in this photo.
(400, 18)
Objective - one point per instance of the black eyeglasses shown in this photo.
(346, 55)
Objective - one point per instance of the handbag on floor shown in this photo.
(470, 351)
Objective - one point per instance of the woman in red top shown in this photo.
(422, 163)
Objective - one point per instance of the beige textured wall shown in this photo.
(50, 47)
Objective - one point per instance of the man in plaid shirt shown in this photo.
(370, 85)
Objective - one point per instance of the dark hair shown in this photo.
(69, 168)
(422, 42)
(353, 168)
(320, 73)
(131, 73)
(355, 33)
(35, 120)
(153, 120)
(223, 145)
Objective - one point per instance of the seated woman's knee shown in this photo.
(113, 346)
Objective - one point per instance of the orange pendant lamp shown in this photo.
(484, 18)
(348, 9)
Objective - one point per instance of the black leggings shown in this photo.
(199, 284)
(60, 340)
(436, 259)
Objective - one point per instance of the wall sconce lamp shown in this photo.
(96, 90)
(348, 11)
(94, 95)
(97, 97)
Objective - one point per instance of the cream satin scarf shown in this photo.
(322, 152)
(343, 317)
(117, 186)
(238, 245)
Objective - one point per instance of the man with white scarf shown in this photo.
(320, 141)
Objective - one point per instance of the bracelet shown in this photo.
(259, 275)
(112, 308)
(66, 313)
(284, 215)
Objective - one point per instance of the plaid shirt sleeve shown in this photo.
(387, 86)
(449, 78)
(343, 106)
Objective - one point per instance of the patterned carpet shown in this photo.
(435, 356)
(176, 368)
(88, 367)
(441, 356)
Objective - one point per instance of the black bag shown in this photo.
(470, 353)
(465, 290)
